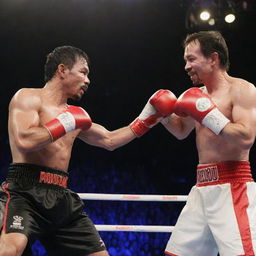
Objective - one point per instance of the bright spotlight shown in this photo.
(230, 18)
(211, 22)
(205, 15)
(214, 14)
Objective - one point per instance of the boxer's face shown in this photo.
(197, 65)
(77, 80)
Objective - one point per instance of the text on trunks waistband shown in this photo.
(208, 174)
(52, 178)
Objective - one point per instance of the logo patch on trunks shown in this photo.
(16, 224)
(208, 174)
(52, 178)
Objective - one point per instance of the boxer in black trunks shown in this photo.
(42, 129)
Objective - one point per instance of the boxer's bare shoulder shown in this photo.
(26, 98)
(243, 91)
(240, 84)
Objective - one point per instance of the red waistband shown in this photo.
(224, 172)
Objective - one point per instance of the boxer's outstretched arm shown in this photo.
(160, 104)
(99, 136)
(24, 122)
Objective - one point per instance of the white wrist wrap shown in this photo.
(68, 121)
(147, 111)
(215, 121)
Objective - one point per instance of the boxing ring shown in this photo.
(133, 197)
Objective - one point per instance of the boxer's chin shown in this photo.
(77, 97)
(196, 80)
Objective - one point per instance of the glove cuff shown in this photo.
(138, 127)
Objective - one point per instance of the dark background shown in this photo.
(135, 49)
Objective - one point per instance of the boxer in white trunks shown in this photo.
(220, 213)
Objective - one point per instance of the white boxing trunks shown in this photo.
(220, 213)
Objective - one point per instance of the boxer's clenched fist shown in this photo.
(195, 103)
(73, 118)
(160, 105)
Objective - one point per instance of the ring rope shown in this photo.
(131, 197)
(140, 228)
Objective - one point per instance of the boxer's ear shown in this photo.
(61, 70)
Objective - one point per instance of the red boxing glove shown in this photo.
(73, 118)
(160, 105)
(195, 103)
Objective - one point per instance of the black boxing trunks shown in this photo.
(40, 206)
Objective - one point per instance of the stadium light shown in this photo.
(205, 15)
(230, 18)
(210, 13)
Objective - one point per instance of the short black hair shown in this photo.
(211, 41)
(67, 55)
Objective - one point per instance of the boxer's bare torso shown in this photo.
(232, 102)
(234, 97)
(33, 108)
